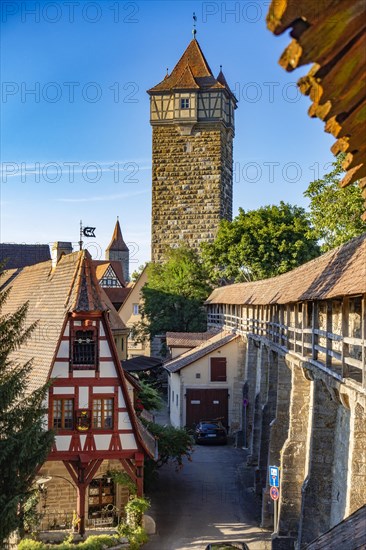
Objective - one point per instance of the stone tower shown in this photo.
(117, 250)
(192, 118)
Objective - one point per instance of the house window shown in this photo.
(176, 400)
(103, 413)
(218, 369)
(63, 414)
(135, 309)
(184, 103)
(84, 349)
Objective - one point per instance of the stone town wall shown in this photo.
(192, 185)
(311, 426)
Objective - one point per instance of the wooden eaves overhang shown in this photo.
(330, 34)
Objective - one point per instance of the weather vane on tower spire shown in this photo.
(194, 30)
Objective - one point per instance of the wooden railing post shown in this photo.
(314, 326)
(345, 330)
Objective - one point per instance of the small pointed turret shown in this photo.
(117, 250)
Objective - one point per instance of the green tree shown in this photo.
(174, 295)
(149, 397)
(335, 212)
(260, 243)
(173, 444)
(24, 443)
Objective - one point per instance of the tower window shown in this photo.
(84, 349)
(184, 103)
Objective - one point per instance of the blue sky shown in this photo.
(79, 145)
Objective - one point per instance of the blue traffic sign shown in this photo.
(274, 476)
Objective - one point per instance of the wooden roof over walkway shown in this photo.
(339, 272)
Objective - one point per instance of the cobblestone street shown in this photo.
(206, 501)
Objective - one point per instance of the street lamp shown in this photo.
(41, 482)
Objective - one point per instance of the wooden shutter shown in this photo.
(218, 369)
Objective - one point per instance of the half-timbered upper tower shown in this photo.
(192, 116)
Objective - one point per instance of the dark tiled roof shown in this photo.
(21, 255)
(214, 343)
(190, 73)
(339, 272)
(349, 533)
(52, 295)
(141, 363)
(117, 242)
(117, 295)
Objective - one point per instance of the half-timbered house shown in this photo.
(89, 404)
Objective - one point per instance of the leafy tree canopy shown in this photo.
(260, 243)
(173, 443)
(149, 397)
(24, 443)
(335, 212)
(174, 295)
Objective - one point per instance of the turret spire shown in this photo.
(194, 30)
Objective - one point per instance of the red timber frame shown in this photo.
(82, 465)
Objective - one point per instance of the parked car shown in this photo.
(210, 431)
(227, 546)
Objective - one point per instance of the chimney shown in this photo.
(59, 249)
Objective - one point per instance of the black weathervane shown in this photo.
(88, 232)
(194, 30)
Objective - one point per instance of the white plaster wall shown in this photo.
(83, 397)
(63, 351)
(175, 412)
(104, 350)
(60, 370)
(179, 383)
(178, 351)
(107, 369)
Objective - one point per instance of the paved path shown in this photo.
(206, 501)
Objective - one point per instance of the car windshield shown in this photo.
(209, 426)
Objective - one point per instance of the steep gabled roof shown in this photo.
(53, 294)
(213, 344)
(117, 242)
(21, 255)
(192, 72)
(101, 267)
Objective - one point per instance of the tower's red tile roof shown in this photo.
(117, 242)
(191, 72)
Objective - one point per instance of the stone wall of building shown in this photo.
(58, 497)
(192, 185)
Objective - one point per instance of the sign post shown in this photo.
(274, 482)
(245, 405)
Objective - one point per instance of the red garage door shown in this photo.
(205, 405)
